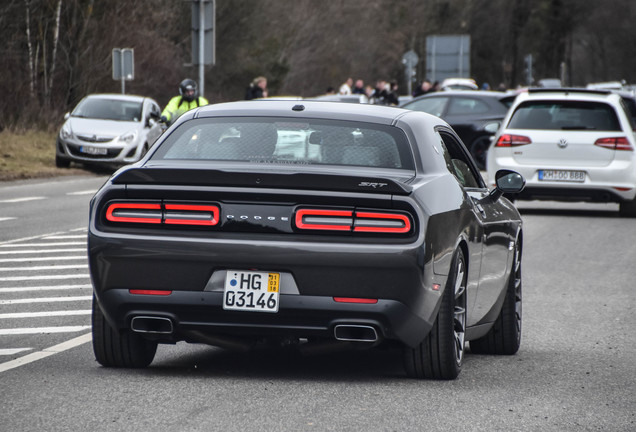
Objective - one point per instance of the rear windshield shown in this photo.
(565, 115)
(289, 141)
(108, 109)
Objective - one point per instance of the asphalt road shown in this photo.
(575, 370)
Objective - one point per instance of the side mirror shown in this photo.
(507, 181)
(67, 116)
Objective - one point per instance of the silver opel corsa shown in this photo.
(108, 129)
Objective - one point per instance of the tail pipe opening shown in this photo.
(150, 324)
(355, 333)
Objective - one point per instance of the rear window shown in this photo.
(288, 141)
(565, 115)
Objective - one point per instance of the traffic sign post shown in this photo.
(203, 43)
(123, 66)
(409, 60)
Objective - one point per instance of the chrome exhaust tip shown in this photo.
(355, 333)
(150, 324)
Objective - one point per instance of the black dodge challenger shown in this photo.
(308, 223)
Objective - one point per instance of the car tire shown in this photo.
(479, 151)
(627, 208)
(504, 338)
(441, 354)
(61, 162)
(115, 348)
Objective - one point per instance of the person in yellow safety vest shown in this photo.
(188, 99)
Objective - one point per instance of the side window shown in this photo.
(458, 163)
(430, 105)
(461, 106)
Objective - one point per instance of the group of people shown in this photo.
(384, 93)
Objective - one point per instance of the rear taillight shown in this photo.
(134, 213)
(158, 213)
(179, 214)
(331, 220)
(615, 143)
(353, 221)
(508, 140)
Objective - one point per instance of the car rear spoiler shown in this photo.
(208, 177)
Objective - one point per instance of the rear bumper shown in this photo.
(615, 182)
(298, 316)
(398, 276)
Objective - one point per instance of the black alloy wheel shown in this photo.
(504, 338)
(441, 354)
(114, 348)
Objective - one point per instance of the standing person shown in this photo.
(381, 93)
(393, 98)
(358, 88)
(188, 99)
(345, 88)
(425, 87)
(257, 89)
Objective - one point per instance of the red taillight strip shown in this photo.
(380, 222)
(355, 300)
(323, 217)
(616, 143)
(150, 292)
(509, 140)
(153, 219)
(198, 214)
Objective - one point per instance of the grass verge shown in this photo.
(30, 154)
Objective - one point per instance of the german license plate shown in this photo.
(93, 150)
(564, 176)
(251, 291)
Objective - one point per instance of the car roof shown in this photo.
(304, 109)
(117, 96)
(568, 94)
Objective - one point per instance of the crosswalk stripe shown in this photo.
(44, 314)
(39, 259)
(55, 349)
(42, 330)
(45, 288)
(45, 300)
(39, 268)
(44, 277)
(40, 251)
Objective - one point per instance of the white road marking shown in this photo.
(40, 268)
(23, 239)
(32, 259)
(11, 351)
(41, 251)
(65, 237)
(44, 314)
(24, 199)
(44, 288)
(2, 219)
(42, 330)
(9, 245)
(45, 300)
(84, 192)
(56, 349)
(45, 277)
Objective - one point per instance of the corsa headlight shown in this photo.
(66, 132)
(128, 137)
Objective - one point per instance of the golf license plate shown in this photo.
(564, 176)
(251, 291)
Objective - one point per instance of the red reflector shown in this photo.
(382, 222)
(616, 143)
(331, 220)
(622, 189)
(150, 292)
(355, 300)
(186, 214)
(508, 140)
(134, 212)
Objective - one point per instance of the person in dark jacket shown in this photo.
(257, 89)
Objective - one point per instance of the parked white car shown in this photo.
(109, 129)
(569, 145)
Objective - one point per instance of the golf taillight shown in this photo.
(509, 140)
(615, 143)
(163, 213)
(353, 221)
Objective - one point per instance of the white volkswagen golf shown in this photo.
(570, 145)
